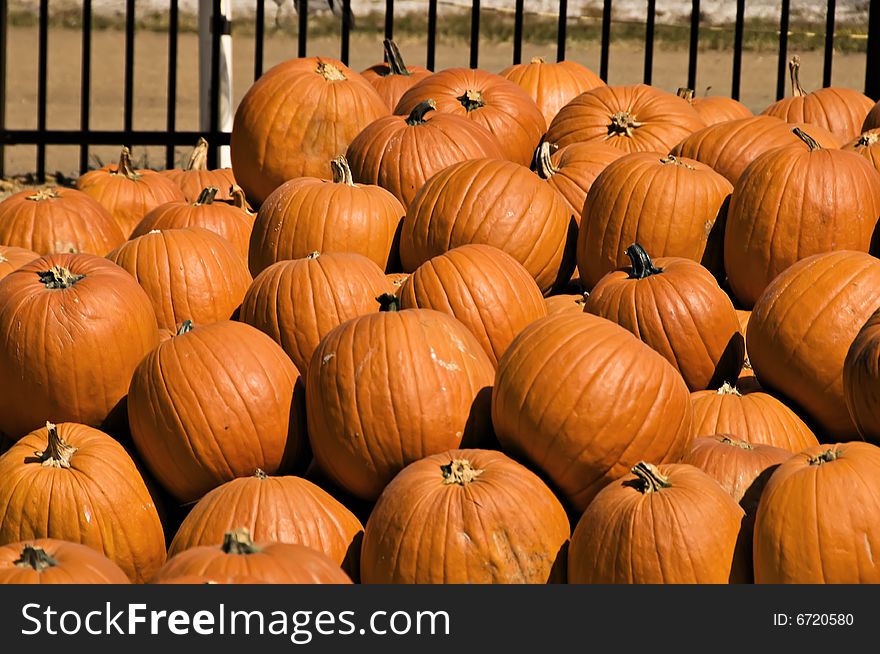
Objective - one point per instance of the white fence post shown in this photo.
(225, 110)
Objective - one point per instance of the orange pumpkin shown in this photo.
(392, 78)
(196, 177)
(53, 561)
(714, 109)
(13, 258)
(565, 303)
(457, 518)
(72, 482)
(861, 372)
(867, 145)
(620, 401)
(57, 220)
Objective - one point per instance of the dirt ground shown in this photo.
(151, 57)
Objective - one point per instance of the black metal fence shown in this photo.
(85, 137)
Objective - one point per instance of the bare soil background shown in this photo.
(151, 64)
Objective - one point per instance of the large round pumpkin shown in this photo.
(496, 203)
(297, 302)
(223, 219)
(867, 145)
(196, 177)
(392, 78)
(839, 110)
(490, 100)
(629, 202)
(714, 109)
(295, 118)
(128, 194)
(73, 327)
(861, 379)
(552, 85)
(465, 517)
(57, 220)
(675, 306)
(12, 258)
(482, 287)
(73, 482)
(308, 214)
(269, 562)
(391, 387)
(794, 202)
(818, 516)
(274, 509)
(582, 400)
(802, 327)
(189, 274)
(636, 118)
(214, 403)
(753, 416)
(400, 153)
(665, 524)
(53, 561)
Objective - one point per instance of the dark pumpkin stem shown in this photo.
(471, 100)
(649, 477)
(812, 143)
(642, 266)
(794, 68)
(238, 541)
(125, 167)
(198, 160)
(58, 452)
(388, 302)
(417, 115)
(736, 442)
(543, 164)
(394, 58)
(44, 194)
(341, 171)
(185, 327)
(36, 558)
(685, 93)
(207, 196)
(58, 277)
(825, 457)
(259, 474)
(459, 471)
(622, 124)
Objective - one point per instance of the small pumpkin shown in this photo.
(660, 524)
(457, 518)
(861, 372)
(196, 177)
(565, 303)
(831, 492)
(714, 109)
(867, 145)
(12, 258)
(392, 78)
(239, 556)
(128, 194)
(57, 220)
(53, 561)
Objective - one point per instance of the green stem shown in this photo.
(642, 266)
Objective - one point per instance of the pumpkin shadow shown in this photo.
(742, 570)
(730, 362)
(478, 430)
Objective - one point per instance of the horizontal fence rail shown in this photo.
(86, 137)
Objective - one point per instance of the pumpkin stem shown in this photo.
(3, 258)
(58, 277)
(44, 194)
(388, 302)
(58, 452)
(685, 94)
(206, 196)
(341, 171)
(825, 457)
(459, 471)
(622, 124)
(471, 100)
(538, 60)
(736, 442)
(238, 541)
(806, 138)
(185, 327)
(543, 165)
(36, 558)
(867, 139)
(311, 256)
(417, 115)
(649, 477)
(330, 72)
(260, 474)
(728, 389)
(238, 200)
(198, 159)
(672, 159)
(642, 266)
(394, 58)
(124, 167)
(794, 68)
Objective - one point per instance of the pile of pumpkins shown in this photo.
(454, 327)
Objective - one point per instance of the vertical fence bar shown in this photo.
(214, 111)
(872, 70)
(85, 85)
(782, 63)
(432, 34)
(738, 30)
(389, 19)
(302, 32)
(475, 33)
(649, 42)
(518, 31)
(4, 40)
(829, 42)
(128, 102)
(171, 108)
(694, 48)
(258, 38)
(561, 32)
(345, 35)
(606, 40)
(42, 74)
